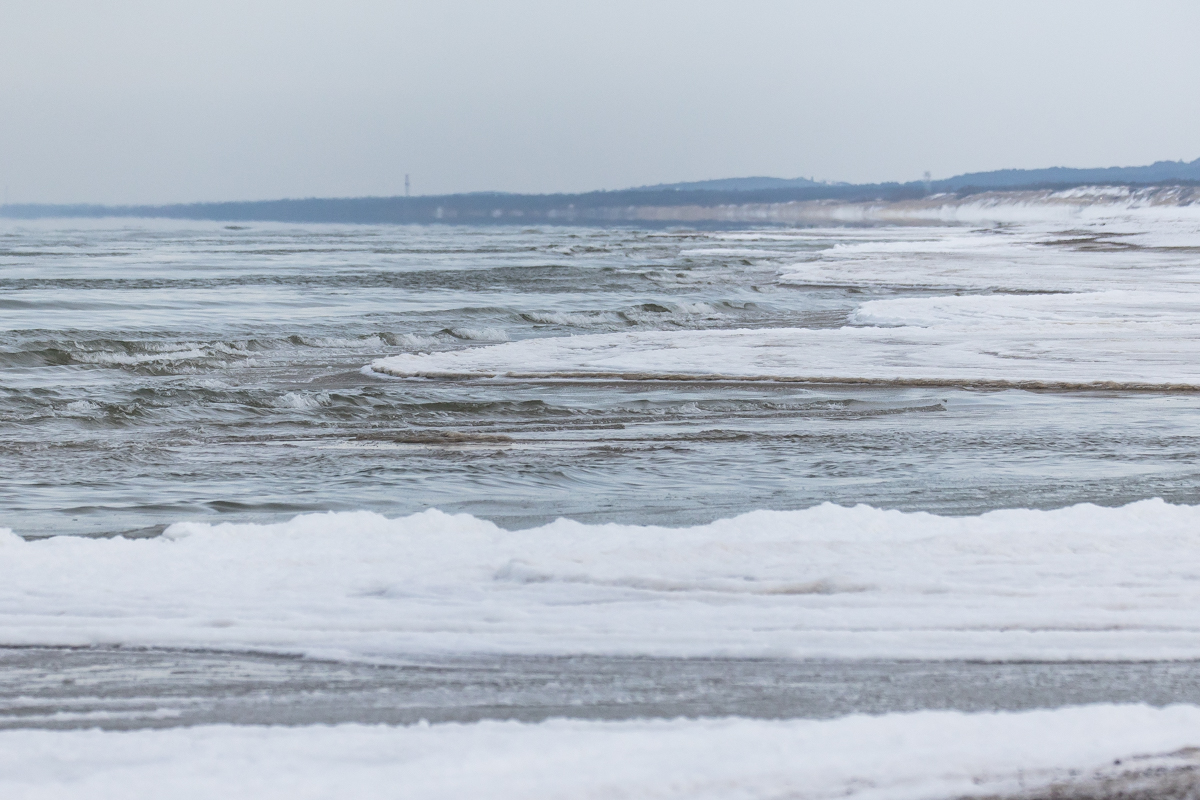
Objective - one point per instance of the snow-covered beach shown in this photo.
(1095, 751)
(962, 443)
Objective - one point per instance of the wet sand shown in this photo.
(117, 688)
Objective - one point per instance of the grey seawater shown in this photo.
(153, 372)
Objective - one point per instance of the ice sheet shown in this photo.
(1078, 583)
(1123, 253)
(924, 755)
(1113, 303)
(1071, 342)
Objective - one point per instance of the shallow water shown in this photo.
(117, 689)
(155, 372)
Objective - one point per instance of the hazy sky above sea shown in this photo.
(129, 102)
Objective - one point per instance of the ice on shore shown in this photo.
(898, 756)
(1075, 341)
(1113, 303)
(1083, 582)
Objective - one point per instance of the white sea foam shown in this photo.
(582, 319)
(897, 757)
(415, 341)
(373, 340)
(304, 400)
(482, 334)
(733, 252)
(151, 353)
(109, 358)
(1080, 582)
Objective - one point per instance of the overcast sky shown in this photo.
(129, 102)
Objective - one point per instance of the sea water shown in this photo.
(155, 372)
(792, 462)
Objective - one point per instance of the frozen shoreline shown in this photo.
(1079, 583)
(922, 755)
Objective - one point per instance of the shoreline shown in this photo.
(137, 688)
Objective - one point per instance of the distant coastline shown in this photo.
(761, 201)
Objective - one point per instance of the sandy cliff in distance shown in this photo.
(998, 206)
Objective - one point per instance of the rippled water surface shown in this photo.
(154, 372)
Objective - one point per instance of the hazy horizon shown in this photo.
(136, 103)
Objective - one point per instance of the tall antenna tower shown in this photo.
(407, 186)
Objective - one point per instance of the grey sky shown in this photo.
(126, 101)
